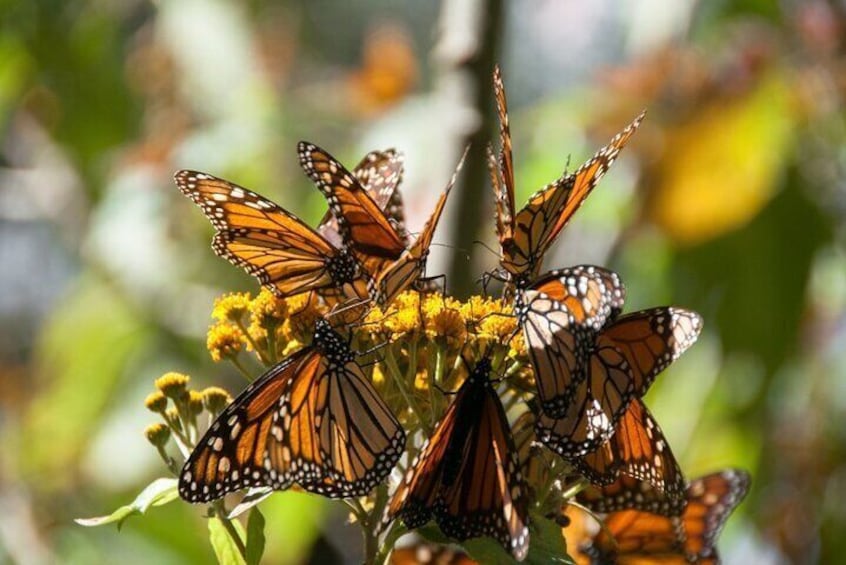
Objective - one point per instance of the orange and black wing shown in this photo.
(362, 225)
(400, 274)
(538, 223)
(635, 536)
(599, 400)
(635, 469)
(333, 432)
(650, 340)
(501, 169)
(624, 360)
(467, 475)
(253, 233)
(559, 315)
(231, 455)
(380, 173)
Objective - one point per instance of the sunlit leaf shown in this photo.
(225, 548)
(255, 537)
(159, 492)
(723, 166)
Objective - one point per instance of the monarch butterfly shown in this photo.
(635, 536)
(634, 469)
(467, 473)
(313, 419)
(526, 235)
(558, 315)
(622, 361)
(360, 220)
(273, 245)
(392, 266)
(380, 173)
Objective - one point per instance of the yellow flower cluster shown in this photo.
(270, 326)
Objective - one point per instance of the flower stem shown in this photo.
(241, 369)
(253, 342)
(394, 370)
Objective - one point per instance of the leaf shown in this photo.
(225, 548)
(546, 546)
(253, 497)
(159, 492)
(255, 537)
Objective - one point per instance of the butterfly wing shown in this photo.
(502, 168)
(380, 173)
(635, 536)
(635, 469)
(339, 437)
(361, 223)
(487, 497)
(559, 314)
(271, 244)
(538, 223)
(231, 454)
(416, 495)
(650, 340)
(600, 399)
(711, 500)
(410, 266)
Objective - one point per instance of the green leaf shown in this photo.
(225, 548)
(546, 545)
(159, 492)
(255, 537)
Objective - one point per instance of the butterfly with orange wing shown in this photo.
(283, 253)
(636, 536)
(525, 236)
(467, 475)
(635, 468)
(392, 264)
(622, 361)
(313, 419)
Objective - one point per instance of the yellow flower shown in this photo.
(421, 381)
(173, 385)
(156, 402)
(404, 318)
(266, 310)
(517, 347)
(443, 320)
(291, 347)
(303, 311)
(172, 418)
(231, 306)
(195, 403)
(476, 309)
(215, 399)
(157, 434)
(224, 340)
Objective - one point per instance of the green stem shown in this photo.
(221, 513)
(271, 344)
(394, 532)
(241, 369)
(394, 370)
(252, 342)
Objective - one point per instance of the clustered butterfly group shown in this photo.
(316, 421)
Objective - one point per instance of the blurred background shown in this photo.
(730, 200)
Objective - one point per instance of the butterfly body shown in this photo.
(467, 475)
